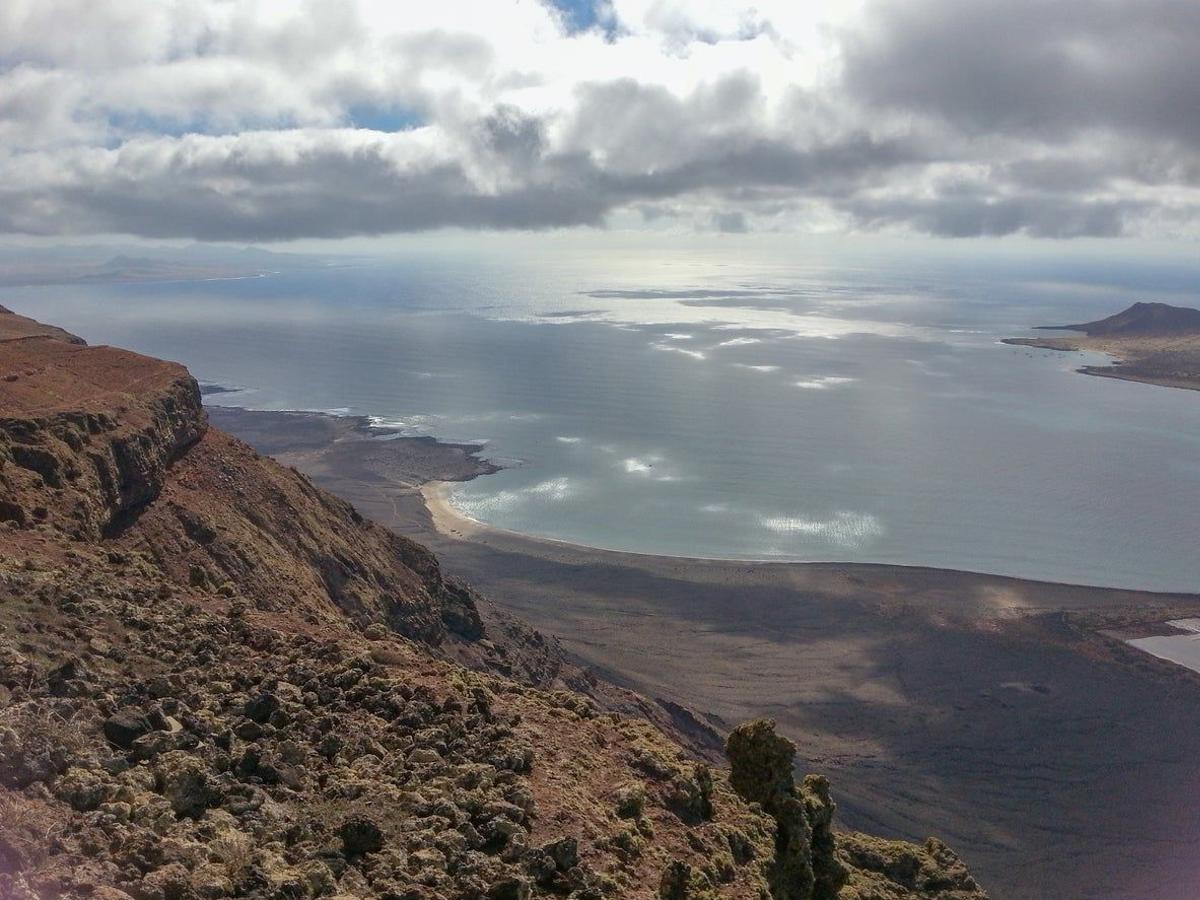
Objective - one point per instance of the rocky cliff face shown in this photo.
(218, 681)
(87, 433)
(88, 436)
(232, 520)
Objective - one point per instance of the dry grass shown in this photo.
(29, 826)
(235, 851)
(40, 729)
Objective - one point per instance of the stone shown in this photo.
(509, 889)
(59, 681)
(126, 726)
(564, 852)
(360, 836)
(423, 756)
(186, 784)
(261, 707)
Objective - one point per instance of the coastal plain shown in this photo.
(1007, 715)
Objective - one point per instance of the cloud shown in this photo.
(237, 120)
(730, 222)
(1028, 68)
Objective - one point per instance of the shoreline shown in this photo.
(451, 522)
(1138, 361)
(446, 520)
(948, 702)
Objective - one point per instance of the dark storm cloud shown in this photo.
(332, 194)
(962, 216)
(1042, 69)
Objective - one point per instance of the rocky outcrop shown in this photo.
(233, 521)
(87, 434)
(204, 751)
(806, 865)
(13, 327)
(811, 862)
(897, 870)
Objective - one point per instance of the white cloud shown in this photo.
(238, 119)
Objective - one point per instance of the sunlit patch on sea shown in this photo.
(721, 407)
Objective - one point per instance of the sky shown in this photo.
(274, 121)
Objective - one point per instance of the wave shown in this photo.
(694, 354)
(756, 368)
(824, 383)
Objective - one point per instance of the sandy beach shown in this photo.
(1008, 716)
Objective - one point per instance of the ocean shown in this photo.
(711, 405)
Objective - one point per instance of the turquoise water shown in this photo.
(718, 407)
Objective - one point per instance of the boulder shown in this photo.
(262, 707)
(360, 836)
(186, 784)
(126, 726)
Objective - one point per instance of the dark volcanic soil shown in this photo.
(990, 710)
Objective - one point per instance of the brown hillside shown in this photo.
(1143, 319)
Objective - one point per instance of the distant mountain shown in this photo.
(71, 264)
(1141, 319)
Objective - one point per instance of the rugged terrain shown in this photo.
(217, 680)
(1154, 343)
(1007, 716)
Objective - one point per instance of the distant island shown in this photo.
(1154, 343)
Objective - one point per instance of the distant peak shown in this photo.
(1143, 318)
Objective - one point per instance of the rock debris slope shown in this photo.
(218, 681)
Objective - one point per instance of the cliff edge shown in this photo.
(219, 681)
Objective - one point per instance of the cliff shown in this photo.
(87, 438)
(219, 681)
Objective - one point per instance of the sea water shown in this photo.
(715, 406)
